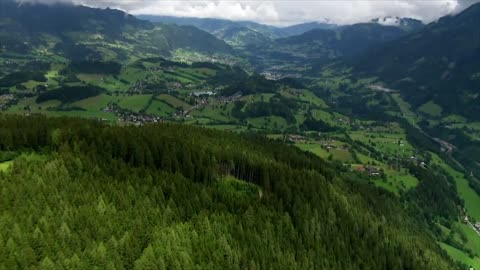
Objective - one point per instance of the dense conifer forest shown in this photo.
(81, 194)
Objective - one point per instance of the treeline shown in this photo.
(94, 67)
(20, 77)
(68, 94)
(278, 105)
(169, 197)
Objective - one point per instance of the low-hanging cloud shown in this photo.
(280, 12)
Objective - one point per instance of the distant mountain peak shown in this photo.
(404, 23)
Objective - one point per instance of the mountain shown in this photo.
(438, 63)
(233, 32)
(240, 33)
(321, 46)
(243, 35)
(299, 29)
(209, 24)
(344, 41)
(407, 24)
(36, 32)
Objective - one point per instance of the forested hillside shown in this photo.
(321, 46)
(438, 63)
(79, 194)
(33, 33)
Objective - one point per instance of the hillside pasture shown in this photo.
(135, 103)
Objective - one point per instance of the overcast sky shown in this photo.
(283, 12)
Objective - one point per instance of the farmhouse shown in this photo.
(369, 170)
(477, 226)
(203, 93)
(296, 138)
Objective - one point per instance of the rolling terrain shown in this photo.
(147, 144)
(240, 33)
(34, 35)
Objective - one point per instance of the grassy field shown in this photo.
(160, 108)
(473, 239)
(406, 109)
(325, 116)
(90, 78)
(389, 139)
(460, 256)
(95, 103)
(173, 101)
(431, 109)
(401, 179)
(396, 180)
(135, 103)
(268, 122)
(214, 114)
(311, 98)
(337, 154)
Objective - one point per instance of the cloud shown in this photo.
(281, 12)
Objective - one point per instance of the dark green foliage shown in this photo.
(96, 67)
(233, 75)
(276, 106)
(76, 52)
(318, 125)
(162, 197)
(439, 63)
(321, 46)
(58, 18)
(20, 77)
(436, 194)
(68, 94)
(80, 33)
(182, 36)
(254, 84)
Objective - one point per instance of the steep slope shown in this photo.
(180, 197)
(321, 46)
(346, 41)
(438, 63)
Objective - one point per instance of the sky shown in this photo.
(283, 12)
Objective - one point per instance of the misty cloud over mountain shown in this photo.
(283, 12)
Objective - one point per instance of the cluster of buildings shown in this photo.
(203, 94)
(132, 117)
(293, 138)
(416, 161)
(275, 76)
(237, 96)
(6, 100)
(369, 170)
(140, 119)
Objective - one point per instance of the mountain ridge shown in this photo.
(437, 62)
